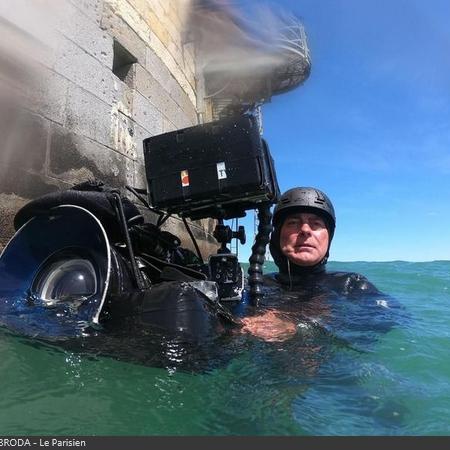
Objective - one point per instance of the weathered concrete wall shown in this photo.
(75, 118)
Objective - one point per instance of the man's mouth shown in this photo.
(300, 246)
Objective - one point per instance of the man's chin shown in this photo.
(304, 261)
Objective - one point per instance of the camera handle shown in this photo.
(255, 271)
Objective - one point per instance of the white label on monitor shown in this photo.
(221, 171)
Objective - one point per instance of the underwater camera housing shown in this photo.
(87, 254)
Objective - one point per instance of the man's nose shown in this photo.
(305, 228)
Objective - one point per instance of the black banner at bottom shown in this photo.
(221, 442)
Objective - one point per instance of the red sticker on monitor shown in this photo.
(184, 178)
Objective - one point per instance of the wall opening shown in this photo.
(122, 63)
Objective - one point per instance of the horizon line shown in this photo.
(377, 261)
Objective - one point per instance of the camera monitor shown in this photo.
(218, 170)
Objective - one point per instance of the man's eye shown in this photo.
(318, 224)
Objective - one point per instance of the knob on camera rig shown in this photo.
(224, 235)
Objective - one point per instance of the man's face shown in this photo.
(304, 239)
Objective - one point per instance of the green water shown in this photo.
(398, 384)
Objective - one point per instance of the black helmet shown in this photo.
(306, 199)
(303, 199)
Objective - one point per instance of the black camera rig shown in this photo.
(89, 247)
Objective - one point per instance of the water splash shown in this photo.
(248, 55)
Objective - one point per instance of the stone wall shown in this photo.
(85, 82)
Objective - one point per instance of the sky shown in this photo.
(371, 126)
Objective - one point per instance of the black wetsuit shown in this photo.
(346, 304)
(346, 284)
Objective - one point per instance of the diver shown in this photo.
(303, 228)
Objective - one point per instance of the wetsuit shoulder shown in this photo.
(351, 283)
(342, 283)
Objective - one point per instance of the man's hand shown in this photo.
(270, 326)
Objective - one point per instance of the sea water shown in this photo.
(345, 379)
